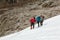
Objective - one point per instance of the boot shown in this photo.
(31, 27)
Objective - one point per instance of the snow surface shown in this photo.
(49, 31)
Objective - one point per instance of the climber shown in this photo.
(42, 19)
(32, 21)
(38, 20)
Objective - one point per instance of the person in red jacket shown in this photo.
(32, 21)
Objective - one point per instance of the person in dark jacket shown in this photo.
(38, 19)
(32, 21)
(42, 19)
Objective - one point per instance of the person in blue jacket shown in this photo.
(38, 20)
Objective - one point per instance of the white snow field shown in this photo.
(49, 31)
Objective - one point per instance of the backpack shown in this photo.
(38, 18)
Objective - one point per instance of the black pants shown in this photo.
(32, 25)
(38, 23)
(41, 22)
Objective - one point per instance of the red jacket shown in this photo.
(32, 20)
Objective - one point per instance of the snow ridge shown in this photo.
(49, 31)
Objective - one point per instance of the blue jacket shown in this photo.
(38, 18)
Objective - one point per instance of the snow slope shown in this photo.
(49, 31)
